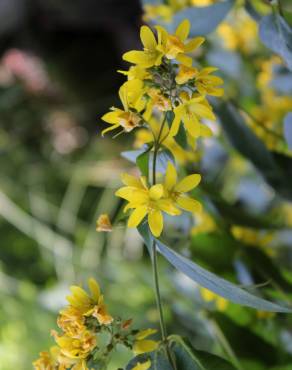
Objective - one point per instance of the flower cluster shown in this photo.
(164, 94)
(83, 322)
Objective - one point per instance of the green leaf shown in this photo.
(188, 358)
(203, 19)
(251, 147)
(288, 129)
(209, 280)
(142, 162)
(276, 35)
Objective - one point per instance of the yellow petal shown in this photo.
(156, 191)
(178, 112)
(183, 30)
(194, 44)
(205, 131)
(188, 183)
(111, 117)
(202, 111)
(130, 180)
(143, 366)
(94, 289)
(113, 127)
(167, 206)
(137, 216)
(139, 57)
(185, 59)
(147, 38)
(170, 176)
(145, 333)
(189, 204)
(155, 220)
(143, 346)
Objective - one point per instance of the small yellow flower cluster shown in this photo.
(232, 35)
(164, 82)
(255, 238)
(269, 114)
(165, 12)
(81, 322)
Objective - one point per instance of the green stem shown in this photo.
(154, 258)
(157, 292)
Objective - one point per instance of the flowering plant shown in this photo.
(166, 100)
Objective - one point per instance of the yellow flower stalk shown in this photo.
(176, 190)
(131, 96)
(146, 201)
(190, 112)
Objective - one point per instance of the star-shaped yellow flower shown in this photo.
(175, 46)
(131, 95)
(146, 201)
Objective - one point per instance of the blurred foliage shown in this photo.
(57, 176)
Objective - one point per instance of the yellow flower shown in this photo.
(190, 111)
(208, 296)
(131, 95)
(143, 345)
(204, 82)
(145, 201)
(103, 223)
(174, 46)
(207, 84)
(78, 347)
(142, 366)
(156, 100)
(48, 360)
(185, 74)
(71, 321)
(175, 190)
(90, 305)
(150, 56)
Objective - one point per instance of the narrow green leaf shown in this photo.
(188, 358)
(216, 284)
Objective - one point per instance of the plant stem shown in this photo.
(154, 258)
(157, 292)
